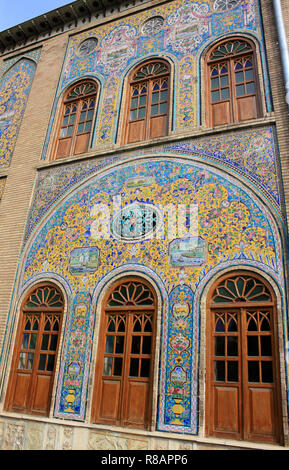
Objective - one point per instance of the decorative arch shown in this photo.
(125, 361)
(73, 134)
(232, 85)
(242, 358)
(35, 351)
(148, 101)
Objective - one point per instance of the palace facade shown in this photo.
(144, 192)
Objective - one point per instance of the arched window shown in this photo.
(148, 102)
(77, 117)
(33, 367)
(242, 360)
(124, 367)
(232, 83)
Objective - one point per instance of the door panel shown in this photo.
(20, 396)
(262, 413)
(136, 408)
(226, 406)
(109, 401)
(41, 394)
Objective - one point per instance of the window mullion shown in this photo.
(76, 122)
(149, 103)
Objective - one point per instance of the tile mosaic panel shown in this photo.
(187, 29)
(17, 76)
(233, 228)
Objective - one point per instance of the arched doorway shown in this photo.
(124, 367)
(34, 358)
(243, 389)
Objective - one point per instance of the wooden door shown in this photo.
(243, 400)
(124, 367)
(34, 360)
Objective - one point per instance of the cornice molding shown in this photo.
(62, 19)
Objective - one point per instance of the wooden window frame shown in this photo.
(244, 430)
(77, 101)
(149, 131)
(233, 108)
(121, 413)
(35, 390)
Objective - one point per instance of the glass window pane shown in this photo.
(155, 97)
(135, 345)
(119, 344)
(266, 347)
(42, 361)
(253, 346)
(133, 114)
(219, 346)
(232, 346)
(50, 363)
(47, 326)
(224, 80)
(145, 368)
(224, 70)
(109, 347)
(88, 125)
(249, 75)
(22, 361)
(239, 77)
(267, 371)
(146, 345)
(253, 371)
(215, 96)
(250, 87)
(164, 95)
(44, 344)
(232, 371)
(65, 121)
(69, 131)
(72, 119)
(220, 371)
(225, 93)
(134, 363)
(233, 325)
(142, 100)
(154, 109)
(134, 103)
(25, 341)
(163, 108)
(80, 128)
(107, 367)
(214, 83)
(220, 327)
(89, 115)
(53, 343)
(62, 135)
(240, 90)
(117, 369)
(141, 113)
(30, 361)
